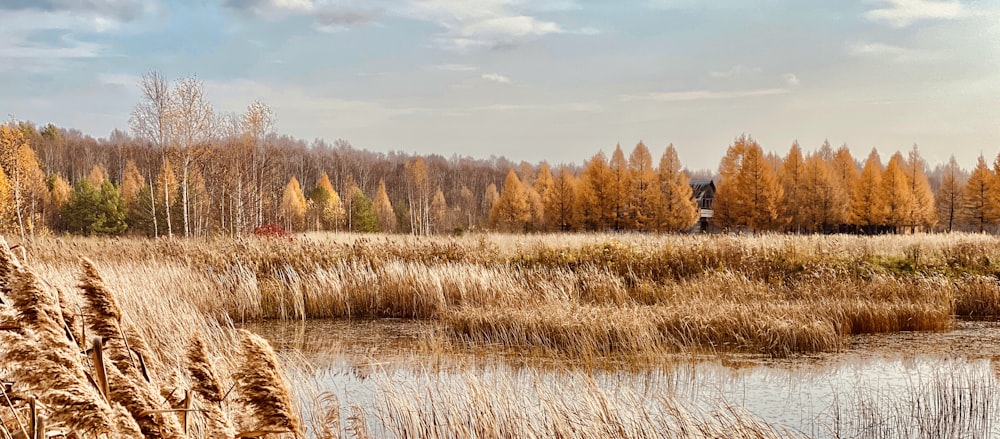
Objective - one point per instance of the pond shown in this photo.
(911, 384)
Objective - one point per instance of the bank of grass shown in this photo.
(576, 295)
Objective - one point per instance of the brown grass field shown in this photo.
(586, 297)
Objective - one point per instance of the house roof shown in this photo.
(701, 187)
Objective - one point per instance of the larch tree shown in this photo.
(543, 187)
(383, 209)
(466, 207)
(439, 211)
(948, 198)
(678, 211)
(923, 214)
(824, 203)
(620, 188)
(645, 197)
(59, 194)
(328, 210)
(511, 212)
(8, 219)
(749, 193)
(896, 193)
(845, 174)
(868, 207)
(293, 206)
(132, 184)
(596, 195)
(977, 210)
(559, 207)
(97, 175)
(536, 209)
(490, 197)
(795, 191)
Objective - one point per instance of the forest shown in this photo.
(182, 169)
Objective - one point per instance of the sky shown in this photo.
(553, 81)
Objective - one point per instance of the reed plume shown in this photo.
(263, 389)
(205, 384)
(40, 357)
(128, 377)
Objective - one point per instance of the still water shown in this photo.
(927, 384)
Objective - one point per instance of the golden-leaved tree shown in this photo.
(619, 187)
(896, 194)
(795, 191)
(645, 199)
(949, 195)
(678, 210)
(511, 212)
(293, 206)
(327, 209)
(544, 188)
(823, 202)
(749, 193)
(596, 195)
(868, 208)
(383, 209)
(560, 205)
(923, 214)
(978, 210)
(26, 181)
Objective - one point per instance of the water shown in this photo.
(937, 384)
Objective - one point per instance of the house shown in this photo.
(703, 191)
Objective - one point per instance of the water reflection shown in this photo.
(939, 384)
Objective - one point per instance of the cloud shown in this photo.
(903, 13)
(121, 10)
(737, 70)
(702, 95)
(496, 77)
(471, 24)
(454, 67)
(895, 54)
(329, 16)
(790, 79)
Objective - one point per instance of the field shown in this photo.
(605, 301)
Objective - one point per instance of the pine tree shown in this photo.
(383, 209)
(949, 196)
(678, 210)
(95, 211)
(363, 217)
(977, 210)
(293, 206)
(868, 208)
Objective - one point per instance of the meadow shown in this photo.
(606, 300)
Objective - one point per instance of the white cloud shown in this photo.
(454, 67)
(470, 24)
(888, 52)
(791, 79)
(700, 95)
(496, 77)
(902, 13)
(737, 70)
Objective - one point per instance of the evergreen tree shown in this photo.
(95, 211)
(363, 217)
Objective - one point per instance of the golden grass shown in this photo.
(639, 294)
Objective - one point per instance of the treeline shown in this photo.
(183, 170)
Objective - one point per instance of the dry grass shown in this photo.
(639, 294)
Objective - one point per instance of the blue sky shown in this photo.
(531, 80)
